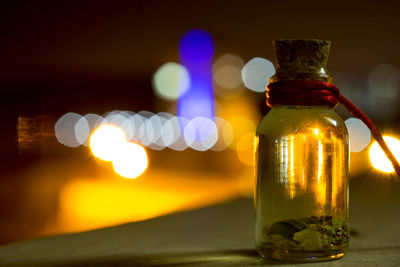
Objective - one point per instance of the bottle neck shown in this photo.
(319, 75)
(302, 93)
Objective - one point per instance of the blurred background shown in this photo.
(180, 87)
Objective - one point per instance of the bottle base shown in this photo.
(301, 255)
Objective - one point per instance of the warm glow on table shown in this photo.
(87, 203)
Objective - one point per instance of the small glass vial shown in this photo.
(302, 165)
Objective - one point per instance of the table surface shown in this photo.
(220, 235)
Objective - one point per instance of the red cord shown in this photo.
(313, 93)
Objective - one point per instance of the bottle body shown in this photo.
(301, 195)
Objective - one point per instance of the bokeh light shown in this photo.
(121, 120)
(146, 133)
(378, 158)
(359, 134)
(136, 121)
(93, 121)
(170, 131)
(107, 141)
(179, 142)
(256, 73)
(227, 71)
(228, 134)
(146, 114)
(196, 46)
(240, 126)
(154, 131)
(157, 122)
(196, 51)
(171, 81)
(380, 91)
(130, 161)
(146, 130)
(82, 130)
(165, 115)
(384, 81)
(245, 149)
(201, 133)
(65, 129)
(167, 131)
(225, 134)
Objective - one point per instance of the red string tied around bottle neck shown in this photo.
(315, 93)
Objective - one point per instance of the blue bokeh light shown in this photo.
(196, 50)
(196, 45)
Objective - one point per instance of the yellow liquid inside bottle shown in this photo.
(301, 196)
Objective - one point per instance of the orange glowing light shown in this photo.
(241, 126)
(245, 149)
(92, 203)
(107, 141)
(131, 161)
(378, 158)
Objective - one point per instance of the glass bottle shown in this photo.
(302, 164)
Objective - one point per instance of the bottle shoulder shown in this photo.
(292, 119)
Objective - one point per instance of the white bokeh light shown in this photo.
(170, 131)
(178, 141)
(154, 131)
(82, 130)
(93, 121)
(359, 134)
(256, 73)
(146, 114)
(131, 161)
(165, 115)
(157, 123)
(65, 129)
(136, 122)
(107, 141)
(171, 80)
(120, 119)
(146, 133)
(201, 133)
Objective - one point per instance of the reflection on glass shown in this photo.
(293, 165)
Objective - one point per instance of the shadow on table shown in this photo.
(222, 258)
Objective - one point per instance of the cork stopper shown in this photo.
(301, 60)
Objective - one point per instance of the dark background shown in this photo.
(80, 56)
(60, 56)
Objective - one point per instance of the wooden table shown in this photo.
(220, 235)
